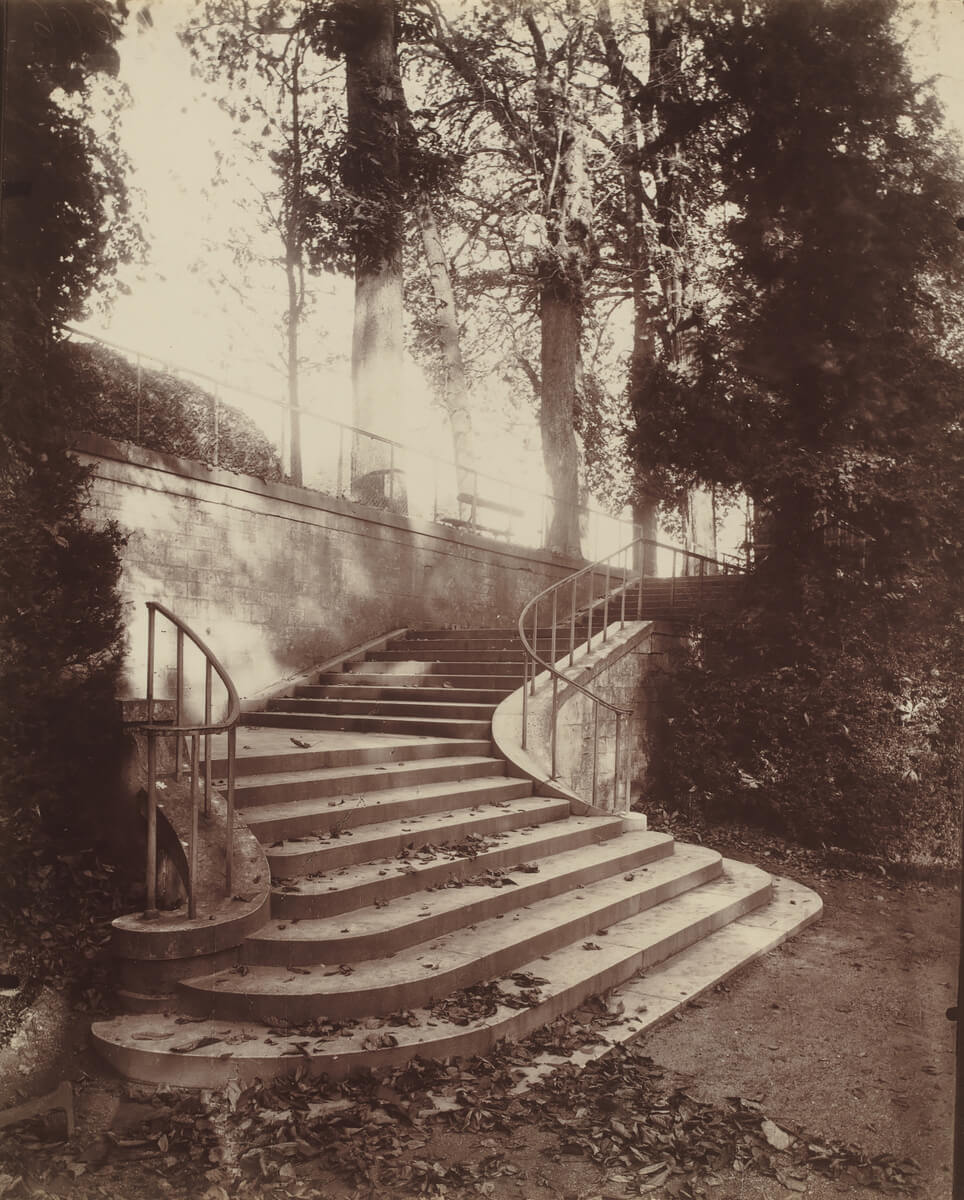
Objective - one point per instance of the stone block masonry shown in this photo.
(276, 578)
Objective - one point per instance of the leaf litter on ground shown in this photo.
(374, 1132)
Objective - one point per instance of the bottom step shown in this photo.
(685, 946)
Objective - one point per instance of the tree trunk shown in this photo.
(565, 265)
(371, 173)
(673, 266)
(644, 353)
(455, 388)
(561, 330)
(294, 409)
(294, 270)
(699, 527)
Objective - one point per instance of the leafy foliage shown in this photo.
(163, 412)
(66, 223)
(831, 718)
(828, 391)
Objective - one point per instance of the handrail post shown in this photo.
(552, 652)
(229, 829)
(552, 727)
(208, 672)
(193, 855)
(535, 638)
(592, 601)
(525, 697)
(595, 749)
(606, 606)
(391, 476)
(619, 717)
(339, 485)
(622, 606)
(150, 876)
(672, 586)
(572, 626)
(179, 701)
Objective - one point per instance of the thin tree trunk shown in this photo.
(455, 388)
(294, 266)
(674, 269)
(371, 172)
(643, 356)
(294, 410)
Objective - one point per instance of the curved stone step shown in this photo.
(290, 786)
(267, 750)
(409, 666)
(309, 818)
(438, 851)
(439, 653)
(433, 726)
(423, 675)
(683, 947)
(423, 972)
(369, 706)
(362, 691)
(422, 917)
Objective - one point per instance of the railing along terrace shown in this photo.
(565, 618)
(193, 732)
(343, 460)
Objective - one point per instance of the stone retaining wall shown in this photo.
(276, 578)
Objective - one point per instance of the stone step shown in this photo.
(425, 972)
(290, 786)
(440, 653)
(362, 691)
(510, 642)
(309, 818)
(437, 726)
(459, 674)
(372, 706)
(422, 917)
(662, 958)
(432, 852)
(267, 751)
(501, 631)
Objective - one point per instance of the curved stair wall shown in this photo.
(625, 669)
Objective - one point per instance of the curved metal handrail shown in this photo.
(195, 730)
(533, 661)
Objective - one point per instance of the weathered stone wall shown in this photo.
(276, 578)
(629, 671)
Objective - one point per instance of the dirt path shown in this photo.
(843, 1030)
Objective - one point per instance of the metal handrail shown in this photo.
(195, 731)
(541, 501)
(533, 662)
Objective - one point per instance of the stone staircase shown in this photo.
(407, 865)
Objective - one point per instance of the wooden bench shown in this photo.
(474, 503)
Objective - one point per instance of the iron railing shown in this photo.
(193, 731)
(395, 477)
(573, 605)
